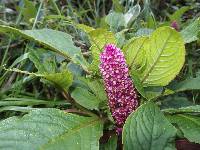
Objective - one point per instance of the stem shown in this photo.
(10, 40)
(55, 7)
(37, 15)
(6, 52)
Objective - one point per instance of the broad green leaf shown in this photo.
(177, 14)
(188, 109)
(189, 125)
(155, 57)
(50, 129)
(115, 21)
(147, 128)
(190, 33)
(99, 38)
(56, 41)
(85, 98)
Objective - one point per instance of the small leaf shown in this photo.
(175, 102)
(85, 28)
(44, 62)
(85, 98)
(190, 33)
(153, 92)
(188, 84)
(144, 32)
(117, 6)
(50, 129)
(115, 21)
(147, 128)
(189, 125)
(137, 83)
(177, 14)
(62, 80)
(132, 14)
(99, 38)
(29, 10)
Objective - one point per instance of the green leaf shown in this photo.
(97, 87)
(134, 52)
(56, 41)
(115, 21)
(155, 57)
(29, 10)
(188, 109)
(153, 92)
(17, 108)
(190, 33)
(147, 128)
(85, 98)
(144, 32)
(177, 14)
(99, 38)
(189, 125)
(29, 101)
(132, 14)
(175, 102)
(50, 129)
(44, 62)
(62, 80)
(85, 28)
(188, 84)
(117, 6)
(137, 83)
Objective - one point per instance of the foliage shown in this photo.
(52, 94)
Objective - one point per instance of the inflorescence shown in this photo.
(120, 90)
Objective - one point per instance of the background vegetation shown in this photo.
(38, 67)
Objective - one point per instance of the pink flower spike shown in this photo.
(120, 90)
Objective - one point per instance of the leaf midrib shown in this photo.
(155, 62)
(70, 132)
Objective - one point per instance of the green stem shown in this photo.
(55, 7)
(37, 15)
